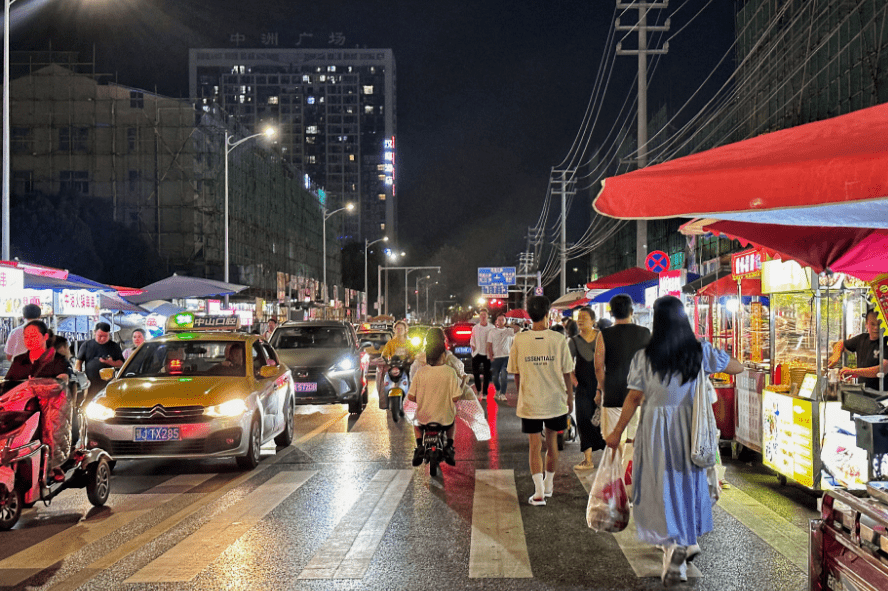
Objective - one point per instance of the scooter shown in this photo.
(395, 385)
(434, 440)
(25, 475)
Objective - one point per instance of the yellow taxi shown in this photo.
(203, 390)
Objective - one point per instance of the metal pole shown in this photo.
(417, 295)
(563, 233)
(6, 166)
(225, 262)
(324, 241)
(406, 303)
(378, 289)
(366, 295)
(386, 291)
(641, 225)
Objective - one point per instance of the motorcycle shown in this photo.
(27, 451)
(434, 440)
(395, 385)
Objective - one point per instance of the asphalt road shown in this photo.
(342, 508)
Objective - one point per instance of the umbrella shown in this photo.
(727, 285)
(181, 286)
(48, 282)
(518, 313)
(113, 302)
(568, 299)
(827, 173)
(626, 277)
(162, 308)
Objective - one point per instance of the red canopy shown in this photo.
(827, 173)
(518, 313)
(727, 285)
(622, 278)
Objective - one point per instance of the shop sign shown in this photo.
(194, 305)
(78, 302)
(11, 304)
(879, 285)
(746, 264)
(748, 421)
(785, 276)
(788, 436)
(214, 307)
(650, 295)
(154, 324)
(12, 281)
(671, 282)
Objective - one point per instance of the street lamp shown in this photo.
(6, 165)
(367, 245)
(348, 207)
(228, 146)
(392, 255)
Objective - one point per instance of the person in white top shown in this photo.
(435, 389)
(15, 343)
(542, 364)
(480, 358)
(499, 343)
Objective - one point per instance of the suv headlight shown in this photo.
(98, 412)
(416, 341)
(346, 364)
(232, 408)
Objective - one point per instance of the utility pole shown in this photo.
(563, 189)
(642, 52)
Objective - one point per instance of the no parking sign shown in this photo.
(657, 261)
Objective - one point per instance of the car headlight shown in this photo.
(416, 341)
(232, 408)
(98, 412)
(346, 364)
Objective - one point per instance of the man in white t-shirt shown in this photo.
(542, 364)
(480, 359)
(15, 343)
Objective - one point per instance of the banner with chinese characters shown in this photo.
(879, 286)
(78, 302)
(11, 303)
(746, 264)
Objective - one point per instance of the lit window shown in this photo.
(382, 196)
(241, 99)
(380, 167)
(389, 168)
(306, 78)
(351, 157)
(312, 159)
(310, 100)
(368, 109)
(372, 69)
(243, 89)
(331, 68)
(381, 177)
(382, 227)
(272, 100)
(322, 78)
(312, 129)
(368, 89)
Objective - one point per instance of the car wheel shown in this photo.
(250, 460)
(286, 438)
(10, 508)
(355, 407)
(98, 482)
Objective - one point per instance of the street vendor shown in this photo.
(865, 347)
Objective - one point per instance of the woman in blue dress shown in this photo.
(671, 503)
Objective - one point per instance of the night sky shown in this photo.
(490, 95)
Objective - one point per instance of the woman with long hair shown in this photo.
(671, 502)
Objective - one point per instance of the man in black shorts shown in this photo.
(542, 364)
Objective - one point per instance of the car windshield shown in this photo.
(187, 358)
(310, 337)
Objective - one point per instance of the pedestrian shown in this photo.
(570, 328)
(582, 349)
(614, 349)
(541, 362)
(499, 343)
(480, 357)
(671, 503)
(96, 354)
(272, 324)
(15, 344)
(866, 346)
(40, 359)
(138, 338)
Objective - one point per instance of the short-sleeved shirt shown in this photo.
(500, 340)
(867, 353)
(395, 347)
(621, 342)
(541, 358)
(479, 338)
(15, 344)
(671, 392)
(46, 367)
(435, 387)
(90, 354)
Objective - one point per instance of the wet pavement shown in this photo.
(343, 509)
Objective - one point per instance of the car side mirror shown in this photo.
(268, 371)
(106, 373)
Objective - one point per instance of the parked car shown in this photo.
(326, 360)
(458, 337)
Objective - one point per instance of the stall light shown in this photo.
(732, 305)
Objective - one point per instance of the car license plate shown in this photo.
(463, 351)
(157, 434)
(306, 386)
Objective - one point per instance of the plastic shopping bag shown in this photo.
(608, 507)
(704, 434)
(628, 452)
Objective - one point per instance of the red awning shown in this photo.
(828, 173)
(626, 277)
(727, 285)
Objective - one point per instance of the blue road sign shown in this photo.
(495, 289)
(495, 275)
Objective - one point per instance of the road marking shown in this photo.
(192, 555)
(348, 551)
(783, 536)
(19, 567)
(499, 548)
(122, 551)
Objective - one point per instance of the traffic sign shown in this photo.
(494, 275)
(538, 291)
(657, 262)
(495, 289)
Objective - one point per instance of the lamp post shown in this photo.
(228, 146)
(348, 207)
(367, 245)
(6, 165)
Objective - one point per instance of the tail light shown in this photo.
(462, 332)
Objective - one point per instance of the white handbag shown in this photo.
(704, 437)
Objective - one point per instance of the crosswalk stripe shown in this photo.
(498, 547)
(783, 536)
(348, 551)
(19, 567)
(189, 557)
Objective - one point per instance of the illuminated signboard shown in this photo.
(746, 264)
(779, 276)
(78, 302)
(788, 436)
(388, 156)
(671, 282)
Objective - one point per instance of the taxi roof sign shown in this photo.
(188, 321)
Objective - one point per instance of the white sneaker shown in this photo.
(672, 561)
(683, 572)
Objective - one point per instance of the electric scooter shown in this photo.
(395, 385)
(434, 440)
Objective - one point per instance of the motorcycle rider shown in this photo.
(435, 390)
(398, 346)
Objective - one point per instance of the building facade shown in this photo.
(335, 114)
